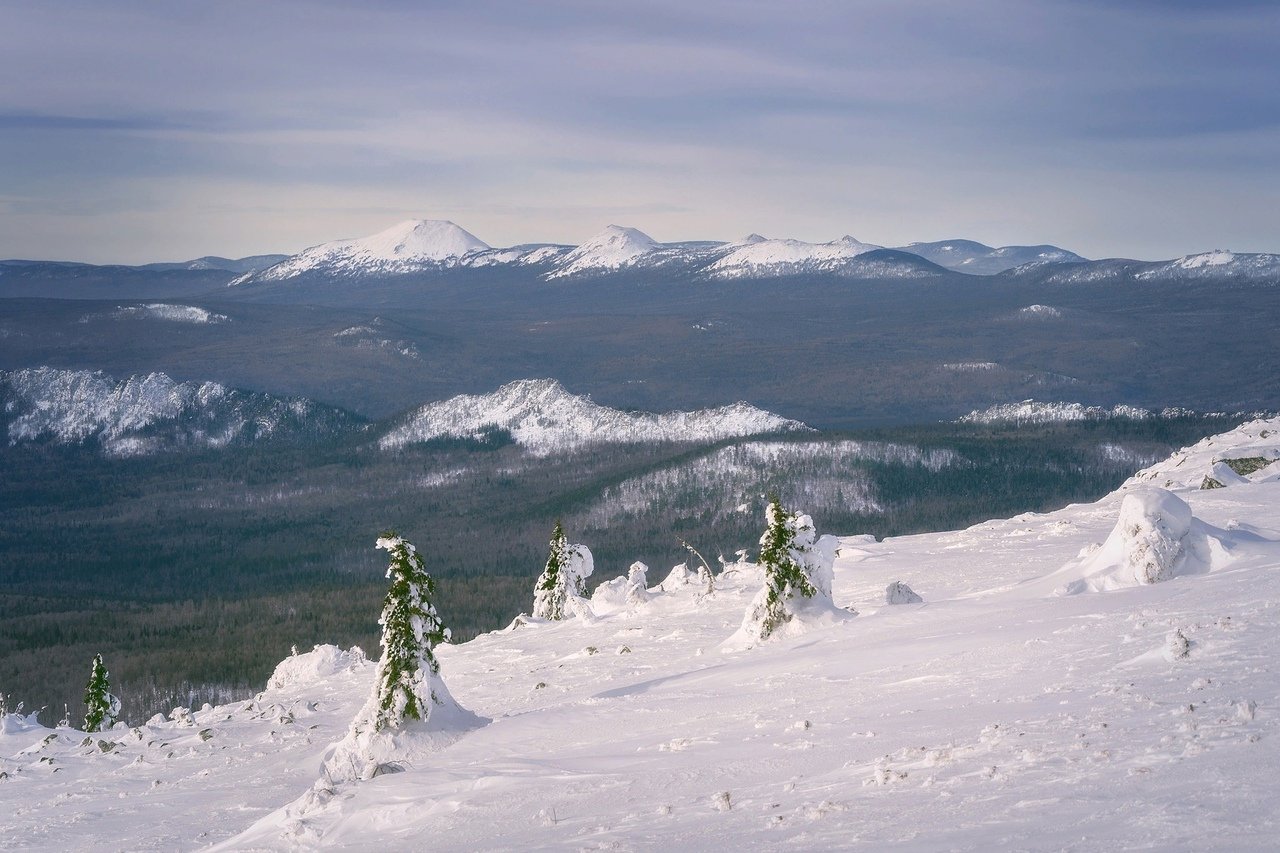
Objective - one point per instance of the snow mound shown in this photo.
(409, 246)
(612, 249)
(189, 314)
(300, 671)
(1156, 538)
(545, 418)
(759, 257)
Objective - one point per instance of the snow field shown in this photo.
(995, 714)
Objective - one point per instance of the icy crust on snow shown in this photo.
(189, 314)
(138, 415)
(409, 246)
(612, 249)
(545, 418)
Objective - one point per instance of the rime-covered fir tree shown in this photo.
(783, 547)
(560, 578)
(100, 707)
(410, 631)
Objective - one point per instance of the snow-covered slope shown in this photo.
(969, 256)
(996, 714)
(545, 418)
(759, 257)
(1217, 264)
(145, 414)
(614, 248)
(409, 246)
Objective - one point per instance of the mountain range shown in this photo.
(419, 246)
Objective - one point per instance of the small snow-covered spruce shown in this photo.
(562, 578)
(786, 540)
(101, 708)
(410, 631)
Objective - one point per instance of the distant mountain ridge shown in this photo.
(545, 418)
(150, 413)
(969, 256)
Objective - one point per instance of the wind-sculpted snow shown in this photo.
(142, 414)
(545, 418)
(996, 715)
(731, 480)
(1217, 458)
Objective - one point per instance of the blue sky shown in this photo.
(134, 132)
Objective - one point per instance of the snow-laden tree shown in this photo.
(405, 679)
(101, 708)
(796, 566)
(563, 579)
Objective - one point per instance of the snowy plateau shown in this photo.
(1044, 694)
(544, 418)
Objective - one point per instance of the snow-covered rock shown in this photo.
(1155, 539)
(899, 593)
(410, 246)
(1247, 454)
(301, 671)
(545, 418)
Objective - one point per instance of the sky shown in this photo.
(148, 131)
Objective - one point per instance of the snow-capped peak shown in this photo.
(615, 247)
(545, 418)
(433, 239)
(408, 246)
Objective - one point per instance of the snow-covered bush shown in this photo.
(564, 576)
(797, 568)
(101, 708)
(637, 583)
(678, 578)
(899, 593)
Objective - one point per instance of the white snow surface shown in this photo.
(996, 715)
(408, 246)
(759, 257)
(545, 418)
(615, 247)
